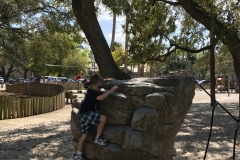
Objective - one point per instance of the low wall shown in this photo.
(72, 86)
(66, 85)
(47, 98)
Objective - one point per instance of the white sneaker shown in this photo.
(100, 140)
(77, 157)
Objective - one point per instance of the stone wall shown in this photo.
(144, 116)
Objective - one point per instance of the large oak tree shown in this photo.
(207, 13)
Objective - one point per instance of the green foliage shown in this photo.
(148, 25)
(115, 7)
(192, 34)
(224, 61)
(119, 55)
(36, 32)
(51, 49)
(79, 59)
(13, 49)
(202, 64)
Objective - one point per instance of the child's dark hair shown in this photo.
(95, 79)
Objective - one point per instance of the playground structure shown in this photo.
(223, 84)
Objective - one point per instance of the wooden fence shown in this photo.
(47, 98)
(72, 86)
(66, 85)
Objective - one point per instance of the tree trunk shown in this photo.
(84, 11)
(9, 71)
(113, 31)
(126, 44)
(25, 72)
(212, 70)
(139, 70)
(2, 72)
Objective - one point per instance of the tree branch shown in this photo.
(176, 46)
(187, 49)
(15, 30)
(42, 8)
(162, 58)
(190, 50)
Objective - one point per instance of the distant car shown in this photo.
(72, 80)
(21, 80)
(58, 80)
(81, 80)
(63, 79)
(33, 80)
(1, 80)
(30, 80)
(201, 82)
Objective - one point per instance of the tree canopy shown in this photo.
(154, 29)
(37, 32)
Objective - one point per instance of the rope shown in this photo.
(219, 103)
(53, 65)
(75, 73)
(234, 144)
(210, 132)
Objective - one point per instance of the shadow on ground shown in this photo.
(192, 138)
(40, 141)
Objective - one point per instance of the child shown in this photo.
(88, 116)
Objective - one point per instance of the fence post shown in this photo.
(24, 108)
(12, 106)
(18, 105)
(40, 105)
(30, 104)
(1, 106)
(5, 108)
(9, 108)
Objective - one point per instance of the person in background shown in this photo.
(37, 80)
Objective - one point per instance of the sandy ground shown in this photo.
(50, 140)
(192, 138)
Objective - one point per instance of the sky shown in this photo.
(105, 20)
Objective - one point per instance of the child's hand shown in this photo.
(115, 87)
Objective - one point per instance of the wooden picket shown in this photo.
(1, 107)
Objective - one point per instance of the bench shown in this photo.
(69, 95)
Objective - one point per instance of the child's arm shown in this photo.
(104, 95)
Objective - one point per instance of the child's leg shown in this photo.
(100, 127)
(81, 141)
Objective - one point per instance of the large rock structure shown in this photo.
(144, 116)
